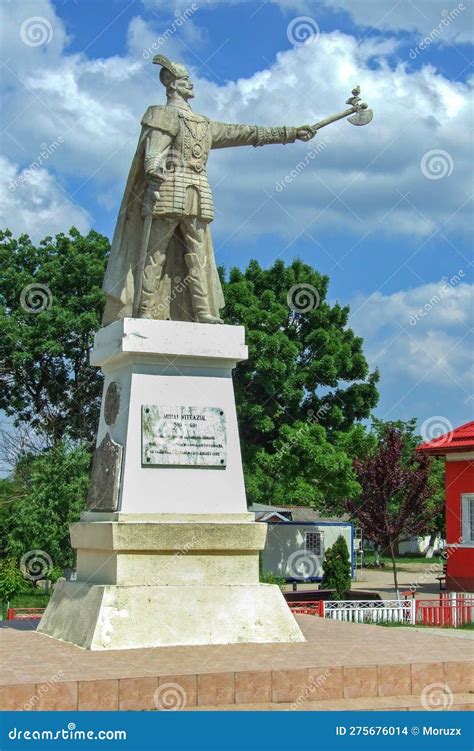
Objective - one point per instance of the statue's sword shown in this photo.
(362, 115)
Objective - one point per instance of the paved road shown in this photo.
(419, 575)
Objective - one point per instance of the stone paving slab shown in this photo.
(338, 661)
(35, 657)
(460, 703)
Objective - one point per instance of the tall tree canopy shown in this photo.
(50, 306)
(305, 385)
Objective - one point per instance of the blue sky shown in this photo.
(383, 210)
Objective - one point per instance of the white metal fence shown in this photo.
(370, 611)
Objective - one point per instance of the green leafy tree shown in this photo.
(337, 569)
(12, 581)
(50, 306)
(54, 490)
(305, 383)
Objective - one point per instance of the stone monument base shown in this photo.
(168, 441)
(168, 580)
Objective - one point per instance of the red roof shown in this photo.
(459, 439)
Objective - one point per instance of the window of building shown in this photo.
(313, 542)
(467, 511)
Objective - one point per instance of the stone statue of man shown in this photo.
(162, 263)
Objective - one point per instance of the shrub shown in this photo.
(337, 569)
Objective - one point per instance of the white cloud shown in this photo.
(365, 179)
(422, 334)
(453, 19)
(33, 202)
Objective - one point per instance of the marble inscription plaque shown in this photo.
(183, 436)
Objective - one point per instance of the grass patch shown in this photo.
(369, 560)
(395, 624)
(33, 599)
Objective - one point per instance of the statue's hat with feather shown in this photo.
(170, 71)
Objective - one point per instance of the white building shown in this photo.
(297, 541)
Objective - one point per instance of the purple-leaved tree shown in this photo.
(395, 495)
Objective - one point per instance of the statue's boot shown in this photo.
(199, 290)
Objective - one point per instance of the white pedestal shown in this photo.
(172, 556)
(172, 363)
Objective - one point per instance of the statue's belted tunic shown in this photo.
(161, 262)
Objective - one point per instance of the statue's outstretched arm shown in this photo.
(225, 135)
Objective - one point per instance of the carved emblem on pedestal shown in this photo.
(105, 481)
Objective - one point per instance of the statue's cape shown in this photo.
(123, 267)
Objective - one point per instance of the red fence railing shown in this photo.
(24, 614)
(451, 610)
(309, 607)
